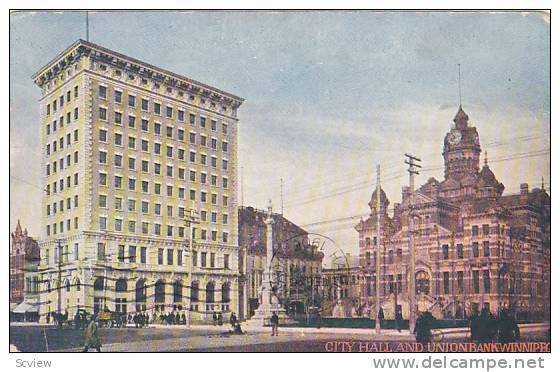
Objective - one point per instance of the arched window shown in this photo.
(120, 285)
(98, 284)
(67, 285)
(194, 292)
(225, 292)
(422, 282)
(368, 242)
(210, 293)
(140, 291)
(78, 284)
(177, 291)
(120, 299)
(160, 291)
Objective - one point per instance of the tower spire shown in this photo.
(485, 158)
(542, 183)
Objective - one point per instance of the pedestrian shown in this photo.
(237, 329)
(215, 318)
(380, 316)
(422, 328)
(398, 320)
(183, 319)
(48, 318)
(474, 325)
(274, 323)
(508, 330)
(135, 320)
(92, 336)
(487, 326)
(233, 320)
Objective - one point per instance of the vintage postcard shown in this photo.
(280, 181)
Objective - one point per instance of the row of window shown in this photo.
(475, 249)
(52, 209)
(424, 287)
(145, 167)
(61, 100)
(445, 251)
(203, 139)
(60, 184)
(157, 189)
(145, 208)
(60, 142)
(53, 228)
(157, 109)
(61, 164)
(167, 256)
(171, 231)
(61, 121)
(499, 229)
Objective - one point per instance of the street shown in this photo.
(38, 338)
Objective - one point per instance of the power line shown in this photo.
(354, 187)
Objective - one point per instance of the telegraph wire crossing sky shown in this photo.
(329, 95)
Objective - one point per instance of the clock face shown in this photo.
(455, 137)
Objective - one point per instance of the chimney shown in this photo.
(524, 188)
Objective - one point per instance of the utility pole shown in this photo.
(190, 221)
(59, 269)
(87, 25)
(281, 196)
(412, 170)
(378, 255)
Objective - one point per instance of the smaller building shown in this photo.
(340, 288)
(296, 265)
(24, 281)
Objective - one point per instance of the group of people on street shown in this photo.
(141, 320)
(59, 318)
(485, 327)
(173, 319)
(423, 326)
(80, 320)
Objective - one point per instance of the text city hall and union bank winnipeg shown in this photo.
(130, 150)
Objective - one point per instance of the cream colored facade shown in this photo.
(128, 150)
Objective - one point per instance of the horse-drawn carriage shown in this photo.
(112, 319)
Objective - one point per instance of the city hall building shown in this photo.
(475, 247)
(129, 150)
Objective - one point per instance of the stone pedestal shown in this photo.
(269, 301)
(265, 310)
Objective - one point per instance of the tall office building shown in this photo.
(129, 150)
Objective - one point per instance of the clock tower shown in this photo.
(461, 152)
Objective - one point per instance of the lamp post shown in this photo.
(190, 221)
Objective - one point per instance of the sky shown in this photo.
(329, 95)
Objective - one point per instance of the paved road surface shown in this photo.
(35, 338)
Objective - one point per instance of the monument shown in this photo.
(268, 300)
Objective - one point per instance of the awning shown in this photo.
(25, 307)
(13, 305)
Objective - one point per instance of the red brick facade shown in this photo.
(474, 246)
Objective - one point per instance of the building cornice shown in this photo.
(82, 48)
